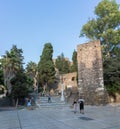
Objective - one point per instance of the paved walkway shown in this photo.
(95, 117)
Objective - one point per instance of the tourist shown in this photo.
(29, 103)
(75, 105)
(49, 98)
(81, 104)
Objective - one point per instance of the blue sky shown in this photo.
(30, 24)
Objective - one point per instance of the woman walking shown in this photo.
(75, 105)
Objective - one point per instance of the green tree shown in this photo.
(74, 60)
(105, 27)
(1, 76)
(11, 62)
(62, 64)
(31, 71)
(21, 85)
(46, 69)
(112, 75)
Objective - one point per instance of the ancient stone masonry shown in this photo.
(90, 72)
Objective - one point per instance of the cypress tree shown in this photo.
(46, 70)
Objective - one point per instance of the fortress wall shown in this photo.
(90, 72)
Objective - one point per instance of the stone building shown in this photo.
(69, 80)
(90, 72)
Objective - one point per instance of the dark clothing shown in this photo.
(75, 102)
(49, 99)
(81, 105)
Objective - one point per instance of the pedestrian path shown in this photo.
(42, 102)
(95, 117)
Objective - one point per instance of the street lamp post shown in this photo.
(62, 90)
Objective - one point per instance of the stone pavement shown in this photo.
(95, 117)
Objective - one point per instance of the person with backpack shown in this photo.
(81, 104)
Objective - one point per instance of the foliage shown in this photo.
(11, 62)
(1, 76)
(62, 64)
(31, 66)
(112, 74)
(31, 69)
(21, 85)
(13, 59)
(74, 60)
(46, 70)
(1, 91)
(105, 27)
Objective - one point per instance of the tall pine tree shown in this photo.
(46, 69)
(74, 60)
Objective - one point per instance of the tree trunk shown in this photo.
(16, 105)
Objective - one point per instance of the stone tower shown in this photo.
(90, 72)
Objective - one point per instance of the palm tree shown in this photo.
(11, 63)
(31, 71)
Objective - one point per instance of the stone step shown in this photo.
(55, 102)
(52, 104)
(53, 99)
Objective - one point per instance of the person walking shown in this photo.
(75, 105)
(29, 103)
(49, 98)
(81, 104)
